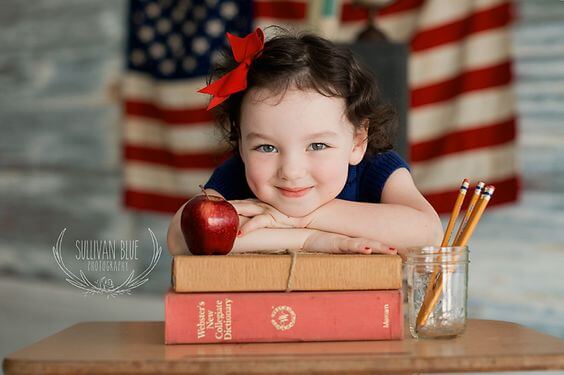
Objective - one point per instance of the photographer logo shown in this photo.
(108, 261)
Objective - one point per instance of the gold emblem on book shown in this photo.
(283, 318)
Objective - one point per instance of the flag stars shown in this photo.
(228, 10)
(189, 63)
(214, 28)
(138, 57)
(181, 9)
(157, 50)
(167, 67)
(211, 3)
(181, 37)
(178, 52)
(153, 10)
(200, 45)
(174, 41)
(146, 34)
(176, 45)
(163, 26)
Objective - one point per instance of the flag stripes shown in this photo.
(462, 120)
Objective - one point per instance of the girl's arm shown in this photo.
(313, 240)
(265, 239)
(269, 239)
(404, 218)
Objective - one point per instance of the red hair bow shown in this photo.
(244, 50)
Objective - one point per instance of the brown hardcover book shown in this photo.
(270, 272)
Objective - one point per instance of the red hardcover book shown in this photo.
(279, 316)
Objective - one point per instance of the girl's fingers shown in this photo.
(257, 222)
(246, 208)
(365, 246)
(379, 248)
(353, 245)
(384, 250)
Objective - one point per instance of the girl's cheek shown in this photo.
(333, 175)
(257, 174)
(329, 168)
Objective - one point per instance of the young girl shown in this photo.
(313, 166)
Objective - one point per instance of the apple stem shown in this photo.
(204, 191)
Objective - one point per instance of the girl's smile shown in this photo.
(295, 193)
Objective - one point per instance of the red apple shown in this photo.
(209, 224)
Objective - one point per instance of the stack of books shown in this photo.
(242, 298)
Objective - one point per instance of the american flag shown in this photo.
(462, 120)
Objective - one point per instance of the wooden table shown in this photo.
(137, 348)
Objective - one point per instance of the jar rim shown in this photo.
(441, 263)
(415, 251)
(432, 247)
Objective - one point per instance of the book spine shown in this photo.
(278, 316)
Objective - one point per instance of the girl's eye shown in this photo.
(266, 148)
(319, 146)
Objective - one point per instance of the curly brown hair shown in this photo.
(309, 62)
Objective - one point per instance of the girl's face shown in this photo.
(297, 148)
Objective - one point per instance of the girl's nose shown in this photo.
(292, 169)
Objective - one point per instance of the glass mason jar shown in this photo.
(437, 284)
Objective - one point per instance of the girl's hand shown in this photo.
(264, 215)
(327, 242)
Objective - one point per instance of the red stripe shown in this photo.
(500, 15)
(350, 12)
(289, 10)
(485, 136)
(400, 6)
(169, 116)
(472, 80)
(506, 191)
(152, 202)
(168, 158)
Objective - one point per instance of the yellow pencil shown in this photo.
(471, 205)
(475, 217)
(431, 299)
(451, 222)
(455, 211)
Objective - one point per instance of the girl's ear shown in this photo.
(360, 143)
